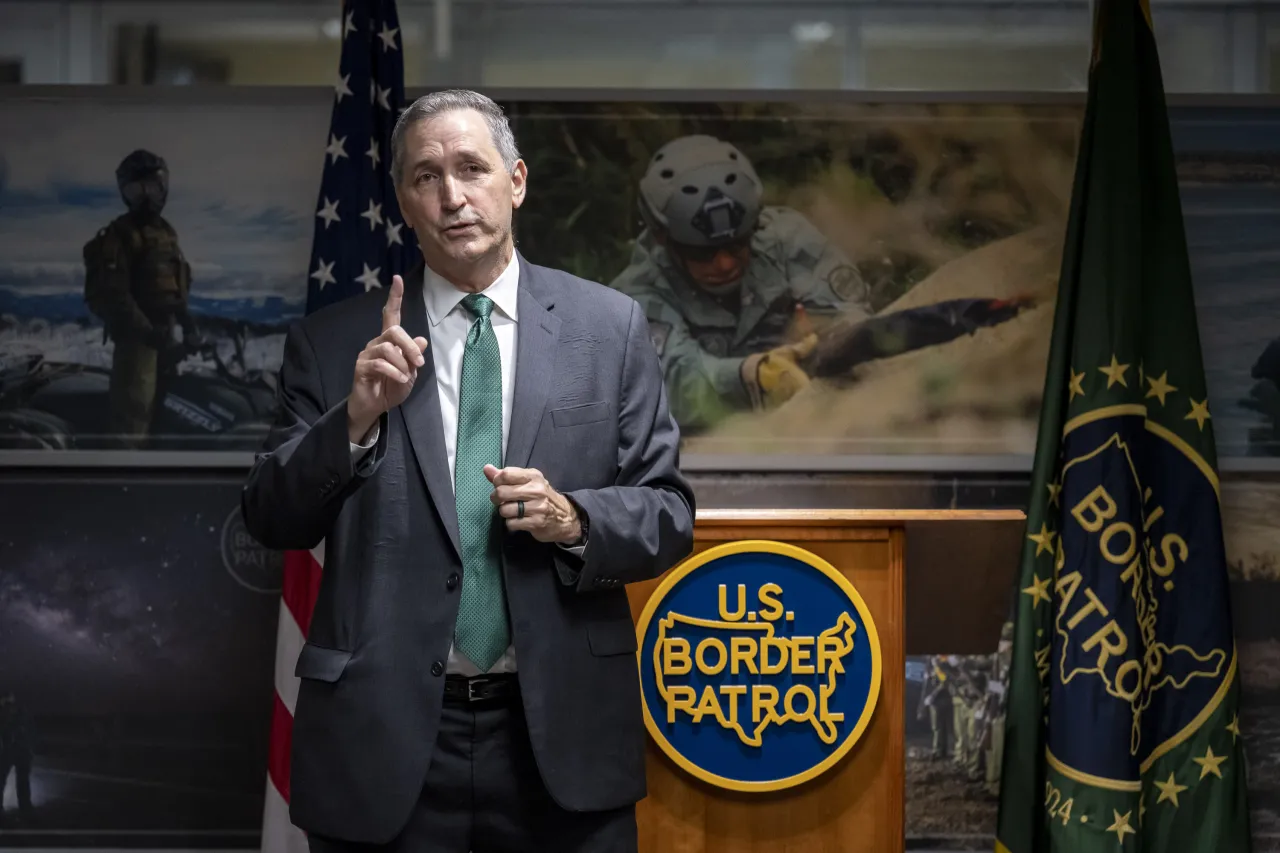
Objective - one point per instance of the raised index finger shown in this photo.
(391, 311)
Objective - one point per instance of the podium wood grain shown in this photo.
(857, 805)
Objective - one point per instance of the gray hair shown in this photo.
(445, 101)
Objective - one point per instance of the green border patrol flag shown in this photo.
(1122, 732)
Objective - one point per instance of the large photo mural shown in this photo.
(173, 321)
(138, 623)
(821, 280)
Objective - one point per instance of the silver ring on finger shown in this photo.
(519, 509)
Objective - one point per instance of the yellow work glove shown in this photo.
(775, 376)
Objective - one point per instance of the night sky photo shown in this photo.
(138, 634)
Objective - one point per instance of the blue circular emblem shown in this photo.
(1140, 653)
(759, 665)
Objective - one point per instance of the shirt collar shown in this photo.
(442, 297)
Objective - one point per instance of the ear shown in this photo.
(519, 183)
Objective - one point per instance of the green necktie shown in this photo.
(482, 633)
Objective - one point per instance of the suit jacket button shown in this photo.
(452, 582)
(437, 668)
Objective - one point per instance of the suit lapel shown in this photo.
(537, 334)
(421, 412)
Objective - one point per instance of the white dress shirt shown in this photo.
(450, 323)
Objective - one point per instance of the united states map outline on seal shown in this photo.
(1129, 644)
(823, 720)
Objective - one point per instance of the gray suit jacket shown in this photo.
(590, 412)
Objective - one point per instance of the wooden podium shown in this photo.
(858, 804)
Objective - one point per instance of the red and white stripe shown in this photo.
(300, 583)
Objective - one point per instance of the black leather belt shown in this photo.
(481, 688)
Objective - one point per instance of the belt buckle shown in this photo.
(471, 689)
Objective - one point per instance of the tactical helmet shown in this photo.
(701, 191)
(143, 179)
(139, 165)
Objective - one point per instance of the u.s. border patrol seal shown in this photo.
(1138, 651)
(253, 566)
(759, 666)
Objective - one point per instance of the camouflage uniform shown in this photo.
(712, 345)
(997, 693)
(966, 698)
(936, 695)
(138, 282)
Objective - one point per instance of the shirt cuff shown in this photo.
(579, 549)
(358, 451)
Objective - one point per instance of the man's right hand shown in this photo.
(385, 370)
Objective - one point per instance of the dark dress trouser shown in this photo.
(483, 794)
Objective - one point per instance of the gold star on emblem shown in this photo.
(1169, 790)
(1043, 539)
(1039, 589)
(1199, 412)
(1115, 373)
(1210, 763)
(1121, 826)
(1142, 811)
(1055, 489)
(1077, 385)
(1234, 728)
(1160, 386)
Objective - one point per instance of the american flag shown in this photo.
(359, 243)
(360, 240)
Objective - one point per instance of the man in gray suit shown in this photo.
(488, 456)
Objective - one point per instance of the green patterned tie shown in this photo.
(482, 633)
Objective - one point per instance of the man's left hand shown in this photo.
(548, 515)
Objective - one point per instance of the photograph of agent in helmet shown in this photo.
(147, 279)
(742, 296)
(730, 286)
(137, 282)
(870, 279)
